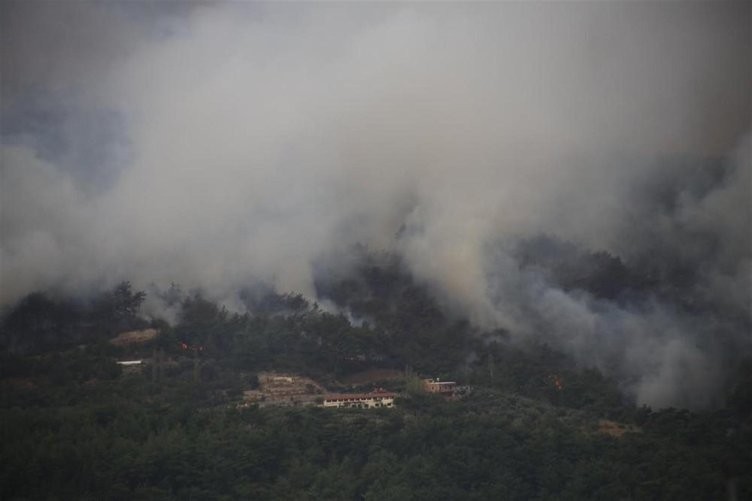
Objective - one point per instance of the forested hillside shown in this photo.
(535, 425)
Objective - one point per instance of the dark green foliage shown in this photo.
(410, 326)
(132, 444)
(75, 425)
(601, 274)
(117, 309)
(41, 322)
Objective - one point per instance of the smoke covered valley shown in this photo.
(575, 175)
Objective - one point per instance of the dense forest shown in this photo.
(77, 425)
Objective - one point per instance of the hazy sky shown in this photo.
(216, 144)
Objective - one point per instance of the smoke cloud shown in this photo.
(217, 145)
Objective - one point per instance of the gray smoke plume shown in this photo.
(222, 144)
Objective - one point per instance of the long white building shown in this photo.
(371, 400)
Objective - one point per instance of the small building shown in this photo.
(129, 363)
(373, 400)
(446, 388)
(131, 366)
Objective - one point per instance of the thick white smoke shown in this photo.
(263, 138)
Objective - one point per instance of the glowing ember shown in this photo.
(187, 347)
